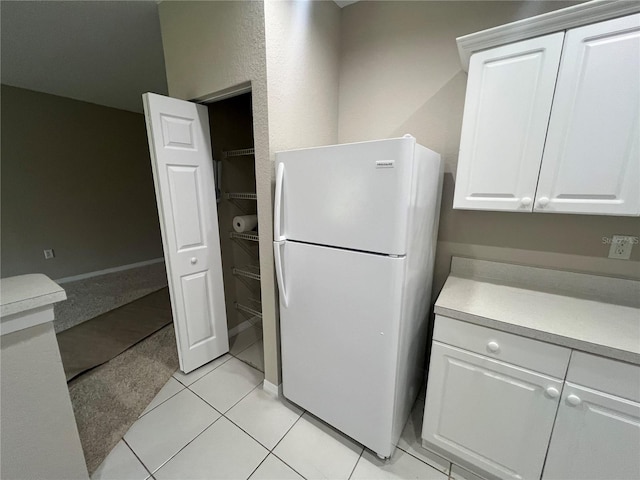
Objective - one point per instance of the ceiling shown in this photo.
(104, 52)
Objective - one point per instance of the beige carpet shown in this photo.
(100, 339)
(109, 399)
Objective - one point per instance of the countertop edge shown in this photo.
(541, 335)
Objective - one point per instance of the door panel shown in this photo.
(598, 439)
(591, 162)
(492, 417)
(183, 177)
(339, 337)
(508, 100)
(353, 196)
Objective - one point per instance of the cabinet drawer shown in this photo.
(524, 352)
(606, 375)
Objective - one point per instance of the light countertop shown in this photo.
(590, 313)
(28, 292)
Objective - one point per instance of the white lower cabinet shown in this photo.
(487, 415)
(501, 420)
(596, 436)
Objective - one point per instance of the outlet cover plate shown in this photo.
(621, 246)
(48, 254)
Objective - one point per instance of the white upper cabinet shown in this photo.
(509, 95)
(524, 148)
(591, 162)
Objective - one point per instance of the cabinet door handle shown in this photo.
(543, 202)
(553, 392)
(573, 400)
(493, 347)
(194, 260)
(526, 201)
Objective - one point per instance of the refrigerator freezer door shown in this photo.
(355, 196)
(339, 337)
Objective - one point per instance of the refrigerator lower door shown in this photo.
(339, 336)
(355, 196)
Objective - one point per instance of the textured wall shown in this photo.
(289, 53)
(212, 47)
(400, 73)
(39, 437)
(76, 177)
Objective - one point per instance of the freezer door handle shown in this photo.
(277, 246)
(278, 235)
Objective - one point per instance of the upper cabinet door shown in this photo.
(591, 162)
(507, 108)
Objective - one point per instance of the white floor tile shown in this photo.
(169, 390)
(198, 373)
(223, 451)
(264, 417)
(121, 464)
(316, 451)
(254, 355)
(411, 440)
(227, 384)
(162, 432)
(274, 469)
(401, 465)
(459, 473)
(244, 339)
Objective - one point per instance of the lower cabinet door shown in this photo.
(491, 417)
(596, 436)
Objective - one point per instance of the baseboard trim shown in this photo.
(271, 389)
(97, 273)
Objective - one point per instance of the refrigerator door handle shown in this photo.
(279, 275)
(278, 235)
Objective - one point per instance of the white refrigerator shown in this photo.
(355, 229)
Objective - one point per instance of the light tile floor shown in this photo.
(218, 422)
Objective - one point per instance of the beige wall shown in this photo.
(400, 73)
(39, 437)
(212, 47)
(76, 177)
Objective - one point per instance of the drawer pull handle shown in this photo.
(553, 392)
(194, 260)
(574, 400)
(526, 201)
(493, 347)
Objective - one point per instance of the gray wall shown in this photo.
(400, 73)
(76, 177)
(39, 437)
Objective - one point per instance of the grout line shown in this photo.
(136, 455)
(165, 400)
(186, 445)
(222, 413)
(230, 357)
(288, 465)
(287, 432)
(254, 470)
(357, 462)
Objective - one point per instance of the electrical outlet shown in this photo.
(48, 254)
(621, 246)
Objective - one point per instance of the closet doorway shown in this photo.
(203, 163)
(232, 144)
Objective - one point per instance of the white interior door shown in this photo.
(339, 323)
(591, 162)
(182, 165)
